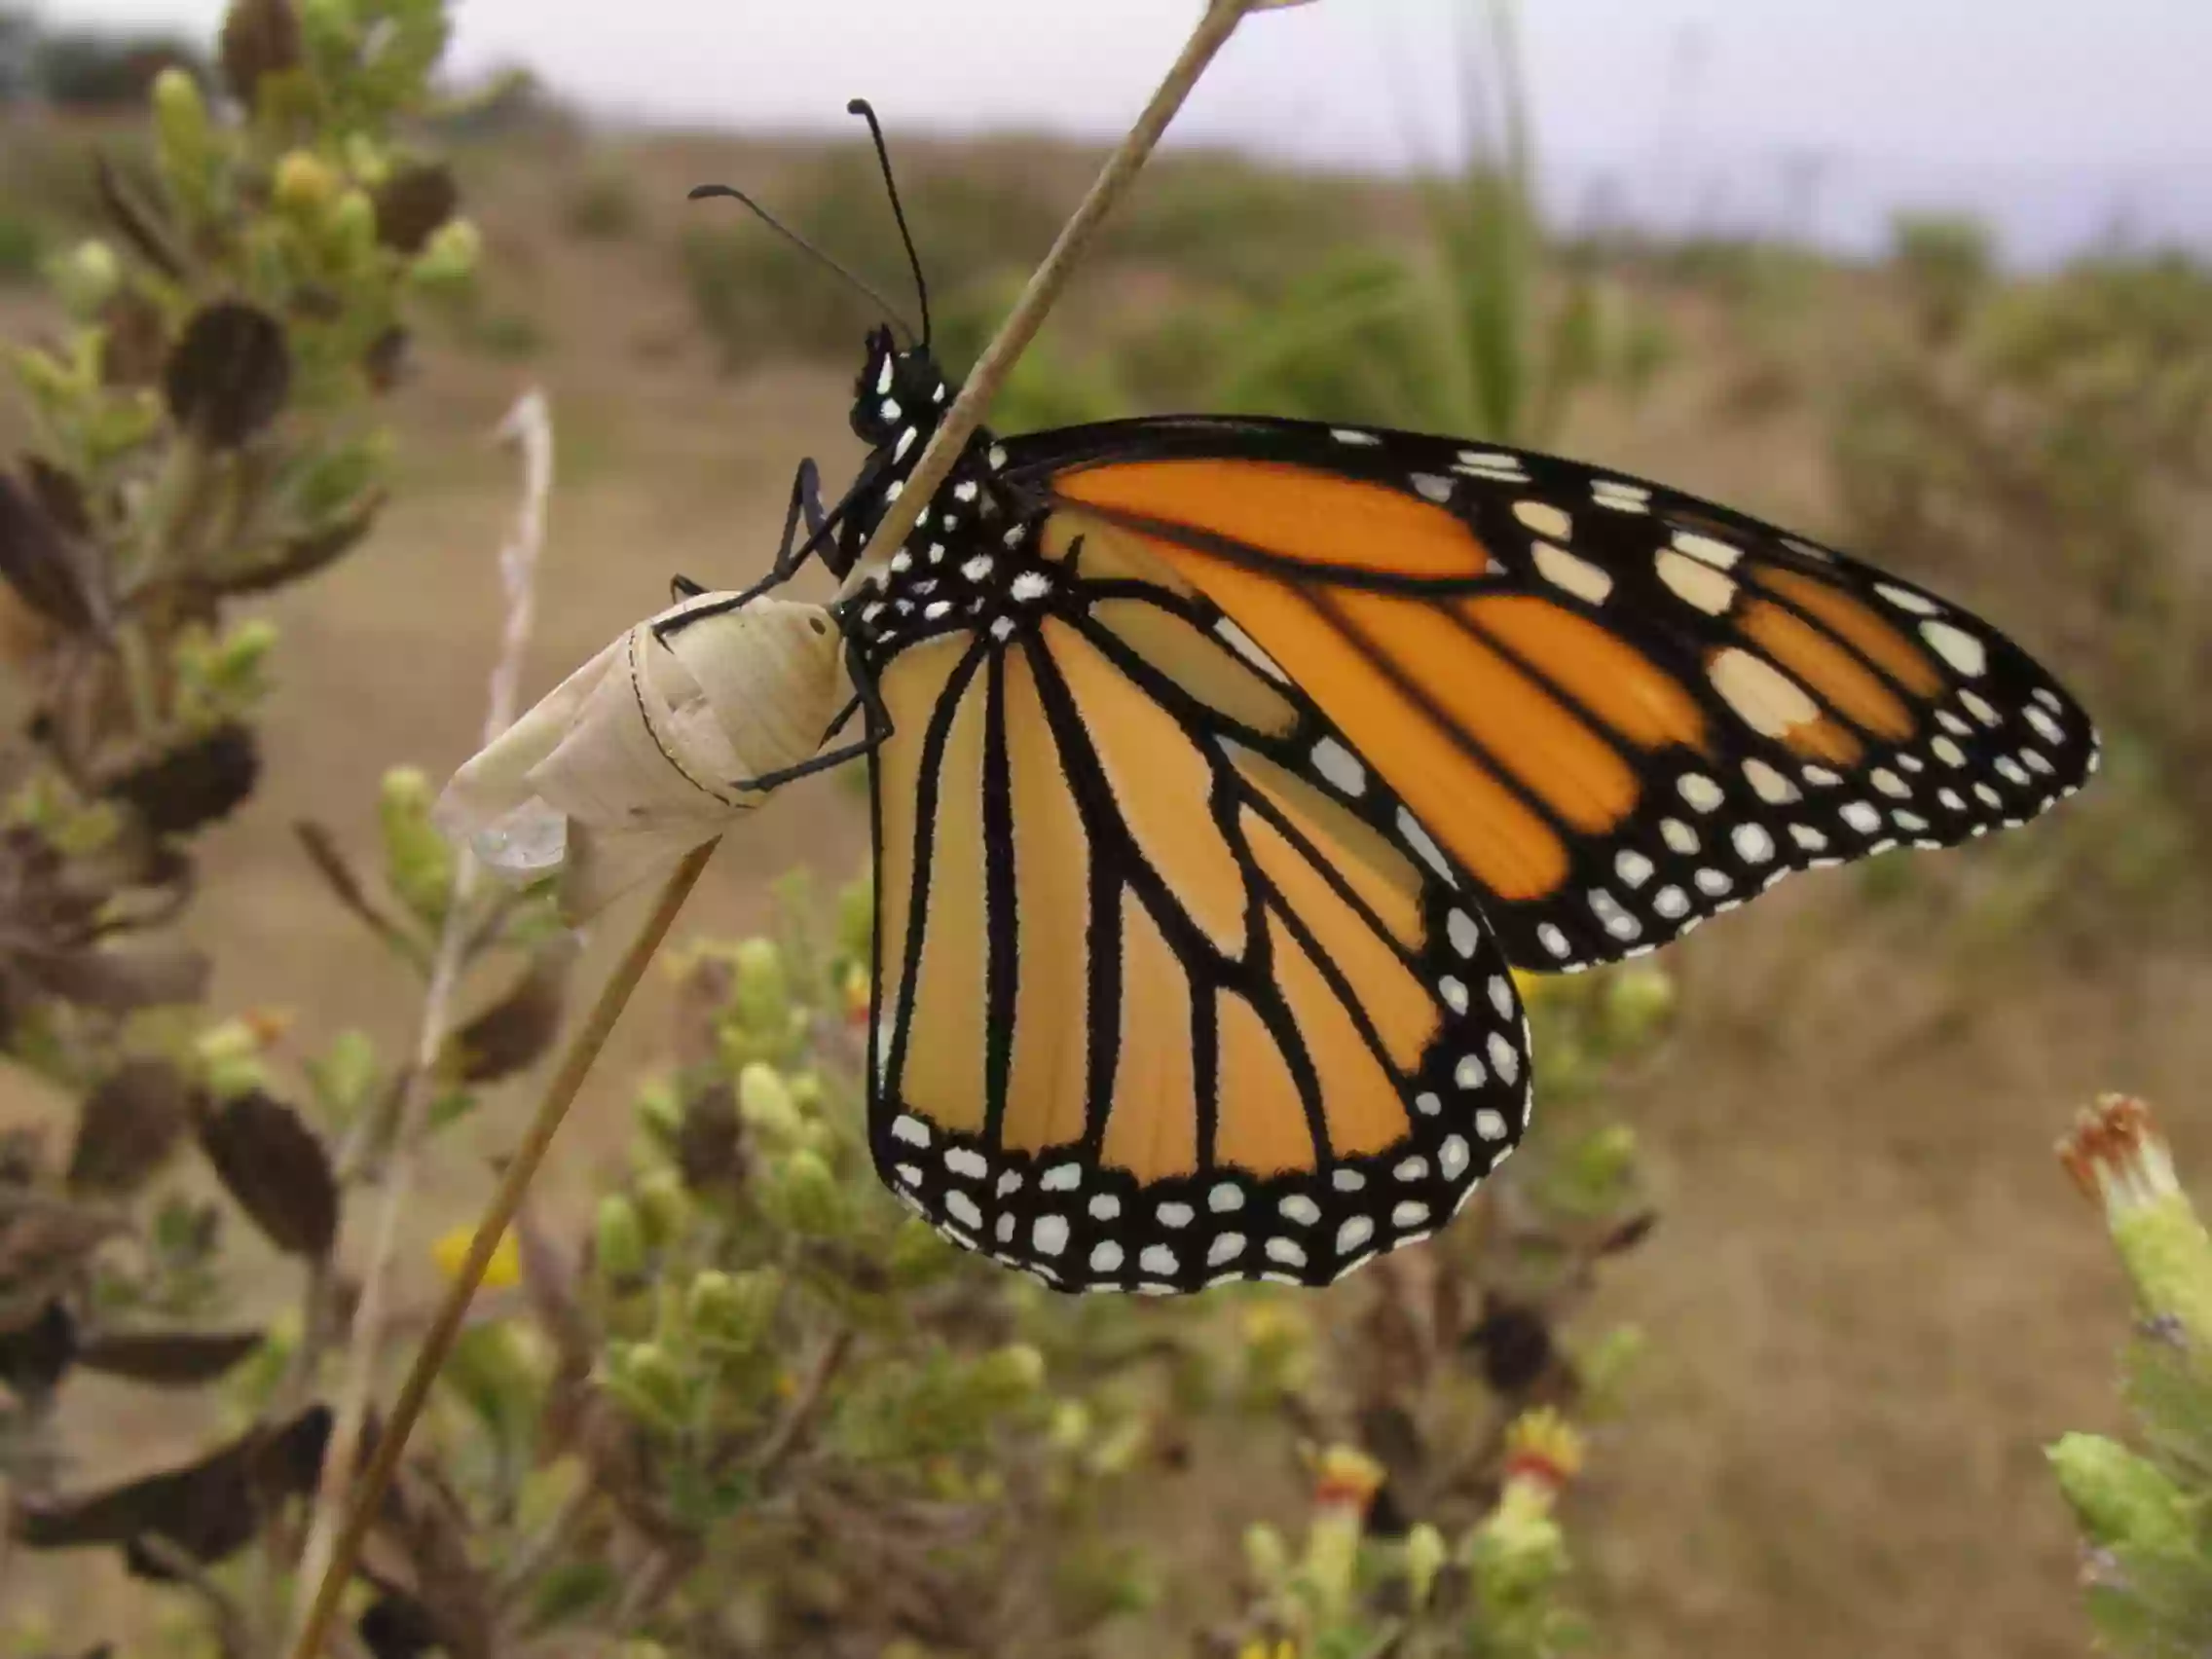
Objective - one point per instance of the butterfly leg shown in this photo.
(879, 728)
(806, 503)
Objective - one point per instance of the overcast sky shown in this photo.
(2051, 112)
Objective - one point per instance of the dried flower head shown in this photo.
(2119, 1157)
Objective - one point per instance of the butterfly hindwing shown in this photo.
(1170, 987)
(1622, 709)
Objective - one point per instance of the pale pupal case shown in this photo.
(637, 758)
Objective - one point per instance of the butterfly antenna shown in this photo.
(701, 192)
(866, 112)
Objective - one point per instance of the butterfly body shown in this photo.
(1223, 768)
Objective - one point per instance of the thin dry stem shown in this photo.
(415, 1393)
(528, 426)
(1214, 28)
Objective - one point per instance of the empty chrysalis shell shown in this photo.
(640, 755)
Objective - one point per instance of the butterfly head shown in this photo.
(900, 398)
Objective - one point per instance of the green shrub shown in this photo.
(1222, 224)
(1481, 332)
(758, 297)
(1947, 264)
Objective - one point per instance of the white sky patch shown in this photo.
(1692, 110)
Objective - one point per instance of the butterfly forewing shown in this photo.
(1171, 987)
(1621, 709)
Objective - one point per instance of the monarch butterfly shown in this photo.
(1222, 769)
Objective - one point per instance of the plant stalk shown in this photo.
(528, 426)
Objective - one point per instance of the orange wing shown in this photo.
(1621, 709)
(1168, 989)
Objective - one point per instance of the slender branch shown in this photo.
(786, 1435)
(530, 426)
(575, 1064)
(1214, 28)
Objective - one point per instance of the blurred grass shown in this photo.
(23, 242)
(604, 206)
(758, 297)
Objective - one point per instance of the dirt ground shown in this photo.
(1872, 1296)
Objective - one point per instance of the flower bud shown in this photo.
(1610, 1360)
(85, 277)
(182, 131)
(366, 159)
(733, 1312)
(1117, 1450)
(1425, 1555)
(2118, 1155)
(1542, 1451)
(764, 1099)
(1007, 1376)
(1346, 1481)
(660, 1109)
(764, 1102)
(1602, 1162)
(2121, 1499)
(647, 1381)
(418, 860)
(1069, 1426)
(304, 184)
(760, 994)
(1518, 1548)
(448, 262)
(808, 1197)
(1346, 1478)
(352, 230)
(618, 1237)
(240, 654)
(344, 1077)
(1266, 1556)
(663, 1206)
(230, 1055)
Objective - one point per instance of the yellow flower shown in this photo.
(1346, 1478)
(503, 1271)
(1542, 1451)
(2120, 1157)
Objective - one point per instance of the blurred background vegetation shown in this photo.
(727, 1401)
